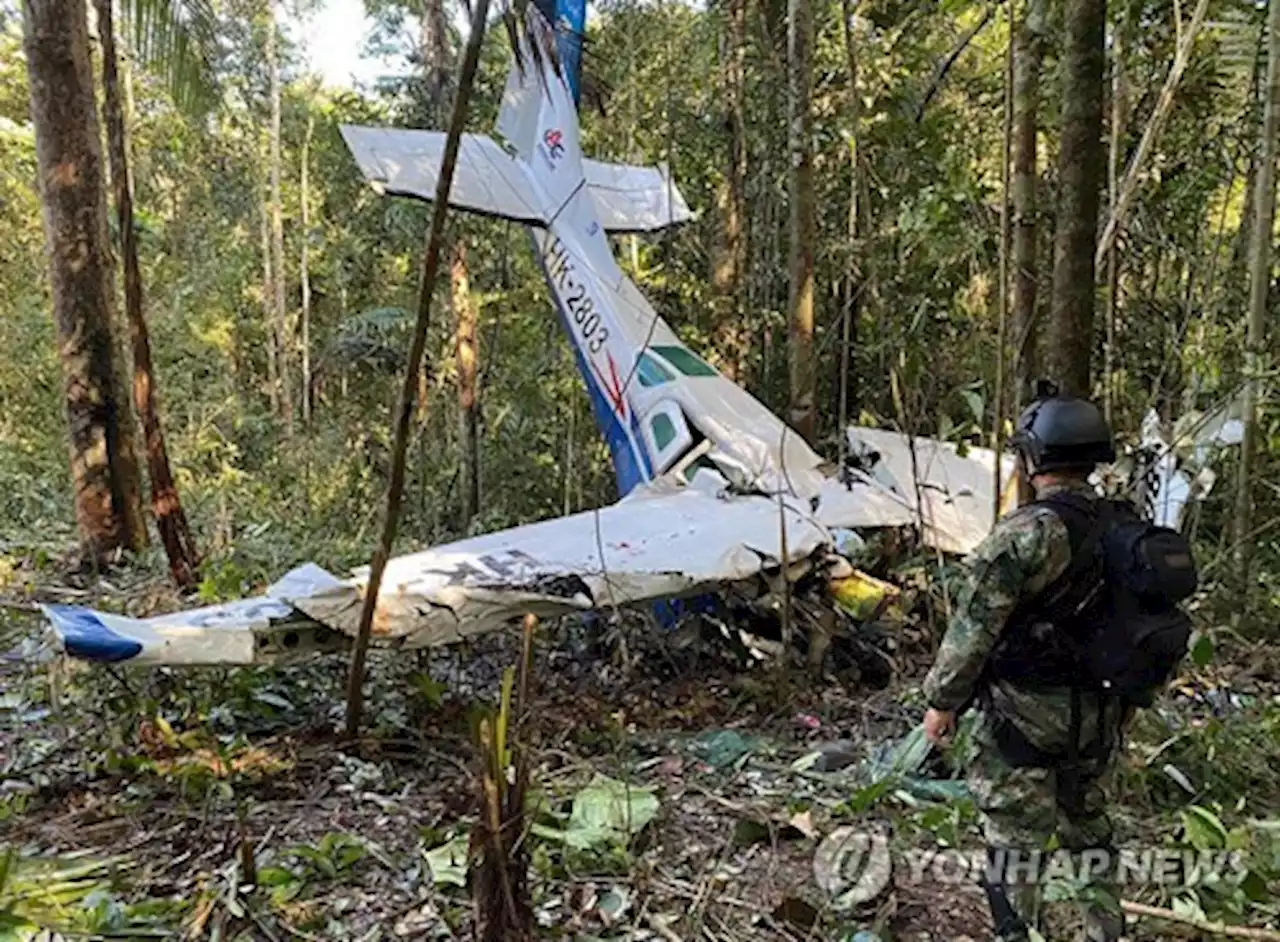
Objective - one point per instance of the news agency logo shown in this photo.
(852, 866)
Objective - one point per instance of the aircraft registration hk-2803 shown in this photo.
(709, 477)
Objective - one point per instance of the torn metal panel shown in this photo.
(952, 496)
(648, 547)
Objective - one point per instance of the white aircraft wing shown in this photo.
(648, 547)
(641, 549)
(407, 163)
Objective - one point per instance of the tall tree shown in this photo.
(466, 317)
(435, 55)
(729, 257)
(1115, 138)
(304, 270)
(1080, 173)
(1260, 252)
(804, 376)
(1028, 59)
(277, 222)
(69, 163)
(854, 271)
(171, 520)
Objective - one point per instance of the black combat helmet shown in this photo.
(1063, 433)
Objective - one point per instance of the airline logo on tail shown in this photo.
(554, 141)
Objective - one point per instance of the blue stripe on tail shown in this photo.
(571, 27)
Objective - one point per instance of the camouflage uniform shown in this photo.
(1021, 807)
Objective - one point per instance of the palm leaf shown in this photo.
(1241, 34)
(176, 41)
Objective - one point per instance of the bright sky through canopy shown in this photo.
(332, 39)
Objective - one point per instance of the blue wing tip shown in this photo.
(84, 635)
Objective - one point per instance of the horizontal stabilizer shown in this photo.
(635, 199)
(407, 163)
(490, 182)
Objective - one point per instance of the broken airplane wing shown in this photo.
(656, 544)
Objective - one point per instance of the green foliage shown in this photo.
(69, 894)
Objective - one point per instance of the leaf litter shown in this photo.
(671, 803)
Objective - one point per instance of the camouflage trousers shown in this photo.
(1023, 810)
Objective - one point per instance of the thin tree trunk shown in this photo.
(277, 224)
(435, 56)
(729, 260)
(304, 272)
(1080, 173)
(69, 168)
(1002, 329)
(1028, 59)
(945, 66)
(853, 280)
(171, 520)
(1119, 118)
(404, 407)
(466, 315)
(1164, 104)
(1259, 287)
(800, 301)
(268, 295)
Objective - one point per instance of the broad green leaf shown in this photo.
(448, 862)
(1204, 829)
(1201, 649)
(605, 812)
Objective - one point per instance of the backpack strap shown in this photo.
(1086, 521)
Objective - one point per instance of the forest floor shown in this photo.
(230, 810)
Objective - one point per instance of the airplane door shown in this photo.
(666, 434)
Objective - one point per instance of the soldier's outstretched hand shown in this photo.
(939, 725)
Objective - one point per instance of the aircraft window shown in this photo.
(702, 463)
(664, 432)
(686, 362)
(652, 373)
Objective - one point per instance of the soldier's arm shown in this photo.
(1023, 553)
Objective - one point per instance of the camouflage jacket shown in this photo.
(1024, 553)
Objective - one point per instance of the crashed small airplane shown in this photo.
(716, 489)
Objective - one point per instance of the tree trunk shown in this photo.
(1002, 327)
(1080, 170)
(404, 405)
(171, 520)
(268, 303)
(729, 263)
(277, 226)
(800, 302)
(435, 55)
(1264, 204)
(1119, 119)
(466, 315)
(1028, 58)
(304, 272)
(69, 166)
(1164, 105)
(853, 280)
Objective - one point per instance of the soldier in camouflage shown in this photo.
(1025, 804)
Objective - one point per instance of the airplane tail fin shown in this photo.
(541, 170)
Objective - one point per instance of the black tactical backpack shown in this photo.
(1112, 622)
